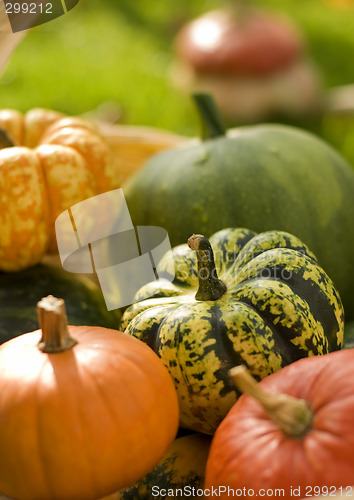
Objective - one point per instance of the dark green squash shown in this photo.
(264, 303)
(20, 292)
(262, 177)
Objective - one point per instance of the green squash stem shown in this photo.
(292, 415)
(212, 125)
(210, 286)
(53, 323)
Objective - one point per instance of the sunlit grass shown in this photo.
(121, 52)
(76, 62)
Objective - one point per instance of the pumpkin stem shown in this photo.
(292, 415)
(53, 323)
(210, 286)
(212, 125)
(5, 141)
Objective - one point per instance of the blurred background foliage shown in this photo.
(120, 51)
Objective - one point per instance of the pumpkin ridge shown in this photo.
(98, 388)
(222, 345)
(307, 289)
(140, 368)
(159, 289)
(42, 461)
(181, 332)
(39, 405)
(48, 201)
(281, 347)
(152, 323)
(307, 281)
(8, 393)
(223, 247)
(271, 240)
(90, 459)
(80, 419)
(182, 368)
(177, 340)
(261, 348)
(303, 328)
(23, 239)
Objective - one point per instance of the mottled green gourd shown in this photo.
(258, 300)
(183, 465)
(262, 177)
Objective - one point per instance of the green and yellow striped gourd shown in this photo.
(258, 300)
(180, 472)
(263, 177)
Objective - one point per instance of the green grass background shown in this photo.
(121, 51)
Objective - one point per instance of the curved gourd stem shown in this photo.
(53, 323)
(210, 286)
(212, 125)
(292, 415)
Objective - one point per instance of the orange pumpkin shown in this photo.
(84, 411)
(296, 437)
(56, 162)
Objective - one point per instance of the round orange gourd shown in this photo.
(84, 411)
(293, 433)
(56, 162)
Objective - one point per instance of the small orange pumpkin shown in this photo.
(56, 162)
(292, 433)
(84, 411)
